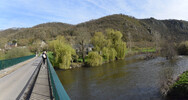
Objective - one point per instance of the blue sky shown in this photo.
(27, 13)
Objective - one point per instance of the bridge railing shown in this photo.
(58, 90)
(10, 62)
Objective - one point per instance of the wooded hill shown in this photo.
(139, 29)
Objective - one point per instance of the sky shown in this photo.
(27, 13)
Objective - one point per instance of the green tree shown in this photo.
(94, 59)
(106, 53)
(117, 43)
(63, 52)
(114, 36)
(111, 45)
(113, 54)
(120, 47)
(98, 41)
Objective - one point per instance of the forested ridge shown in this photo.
(140, 29)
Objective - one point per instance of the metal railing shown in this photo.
(58, 90)
(10, 62)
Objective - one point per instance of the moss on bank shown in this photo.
(180, 88)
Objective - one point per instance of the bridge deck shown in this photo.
(41, 90)
(12, 84)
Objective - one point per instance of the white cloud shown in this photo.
(76, 11)
(165, 9)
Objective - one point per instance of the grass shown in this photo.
(140, 50)
(183, 79)
(145, 50)
(180, 88)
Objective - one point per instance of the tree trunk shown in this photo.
(83, 53)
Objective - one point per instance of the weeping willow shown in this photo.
(120, 48)
(94, 59)
(63, 52)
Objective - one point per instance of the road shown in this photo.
(12, 84)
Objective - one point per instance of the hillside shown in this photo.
(178, 29)
(123, 23)
(41, 31)
(140, 29)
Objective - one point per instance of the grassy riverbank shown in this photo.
(140, 50)
(180, 88)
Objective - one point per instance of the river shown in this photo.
(129, 79)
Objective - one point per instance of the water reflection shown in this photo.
(129, 79)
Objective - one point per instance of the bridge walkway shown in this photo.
(41, 90)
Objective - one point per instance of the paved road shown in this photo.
(11, 85)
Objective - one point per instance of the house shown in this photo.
(43, 44)
(10, 45)
(87, 48)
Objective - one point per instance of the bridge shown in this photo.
(27, 78)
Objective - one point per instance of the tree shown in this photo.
(3, 41)
(183, 48)
(98, 40)
(117, 43)
(23, 42)
(94, 59)
(63, 52)
(110, 44)
(113, 54)
(120, 47)
(106, 53)
(157, 40)
(168, 48)
(130, 41)
(113, 35)
(35, 46)
(82, 38)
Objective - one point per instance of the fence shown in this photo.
(10, 62)
(58, 90)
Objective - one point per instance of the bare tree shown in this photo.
(130, 41)
(157, 40)
(82, 38)
(168, 48)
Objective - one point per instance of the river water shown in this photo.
(129, 79)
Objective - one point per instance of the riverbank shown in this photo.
(179, 89)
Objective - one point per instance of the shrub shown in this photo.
(51, 58)
(2, 55)
(17, 52)
(180, 88)
(183, 48)
(94, 59)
